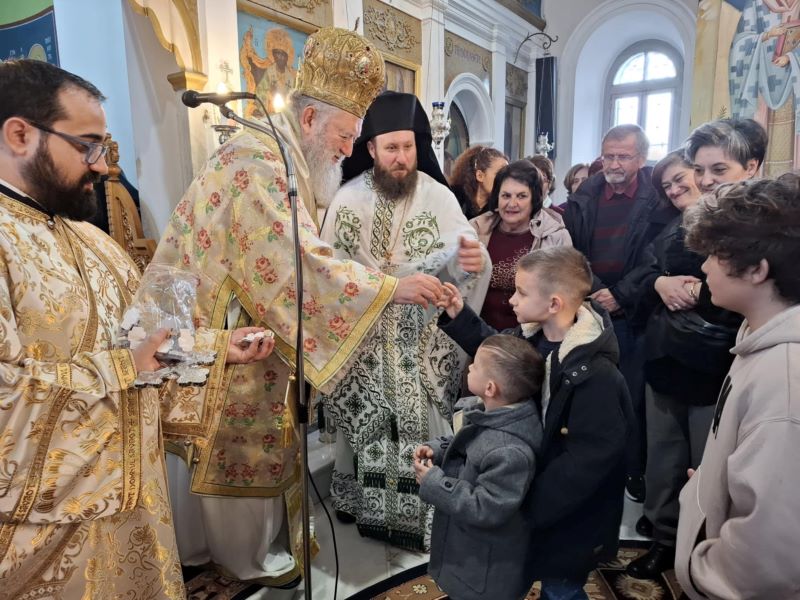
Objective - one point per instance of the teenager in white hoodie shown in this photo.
(739, 525)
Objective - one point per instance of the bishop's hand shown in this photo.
(418, 289)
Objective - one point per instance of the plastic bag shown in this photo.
(166, 299)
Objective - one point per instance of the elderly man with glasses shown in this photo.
(612, 218)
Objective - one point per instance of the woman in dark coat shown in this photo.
(686, 352)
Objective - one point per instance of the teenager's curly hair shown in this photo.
(742, 223)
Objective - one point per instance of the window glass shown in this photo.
(631, 71)
(658, 121)
(659, 66)
(626, 110)
(644, 87)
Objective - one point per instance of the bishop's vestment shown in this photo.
(233, 226)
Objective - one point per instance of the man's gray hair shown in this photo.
(741, 140)
(623, 132)
(297, 103)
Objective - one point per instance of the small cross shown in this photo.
(225, 67)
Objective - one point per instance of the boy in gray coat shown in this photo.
(482, 474)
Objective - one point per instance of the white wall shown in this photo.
(91, 44)
(160, 124)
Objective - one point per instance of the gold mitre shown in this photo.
(341, 68)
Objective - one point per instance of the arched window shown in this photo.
(644, 87)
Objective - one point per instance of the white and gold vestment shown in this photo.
(84, 510)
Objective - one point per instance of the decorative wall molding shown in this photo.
(463, 56)
(387, 28)
(187, 80)
(437, 5)
(315, 13)
(307, 5)
(176, 25)
(471, 97)
(393, 31)
(477, 19)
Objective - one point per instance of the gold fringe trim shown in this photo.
(324, 378)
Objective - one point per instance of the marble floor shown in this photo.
(363, 562)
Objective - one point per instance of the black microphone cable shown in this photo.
(299, 304)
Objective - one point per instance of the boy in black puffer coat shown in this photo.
(575, 502)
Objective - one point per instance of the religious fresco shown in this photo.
(400, 78)
(29, 36)
(750, 50)
(269, 55)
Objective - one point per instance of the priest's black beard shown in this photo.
(392, 188)
(60, 198)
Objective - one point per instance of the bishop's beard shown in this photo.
(325, 175)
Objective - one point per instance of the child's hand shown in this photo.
(421, 468)
(422, 452)
(243, 353)
(452, 301)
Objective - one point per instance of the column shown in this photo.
(530, 110)
(346, 12)
(432, 15)
(432, 72)
(498, 87)
(219, 36)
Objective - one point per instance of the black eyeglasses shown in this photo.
(622, 159)
(94, 150)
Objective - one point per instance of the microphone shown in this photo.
(193, 99)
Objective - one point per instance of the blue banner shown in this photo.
(34, 37)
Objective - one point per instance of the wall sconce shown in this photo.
(545, 45)
(440, 124)
(224, 132)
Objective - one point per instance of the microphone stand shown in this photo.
(299, 377)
